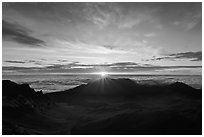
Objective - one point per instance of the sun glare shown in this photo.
(103, 74)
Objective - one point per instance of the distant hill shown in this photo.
(124, 88)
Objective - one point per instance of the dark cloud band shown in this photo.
(19, 34)
(192, 56)
(74, 67)
(14, 61)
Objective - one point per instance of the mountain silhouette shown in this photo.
(103, 106)
(22, 107)
(124, 88)
(24, 96)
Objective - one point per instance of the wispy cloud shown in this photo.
(19, 34)
(134, 19)
(118, 67)
(104, 14)
(63, 60)
(192, 56)
(152, 34)
(101, 14)
(191, 16)
(189, 22)
(26, 62)
(14, 61)
(88, 48)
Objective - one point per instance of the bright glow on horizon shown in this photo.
(102, 74)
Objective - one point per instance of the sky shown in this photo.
(132, 38)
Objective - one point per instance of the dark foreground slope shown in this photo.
(104, 106)
(21, 107)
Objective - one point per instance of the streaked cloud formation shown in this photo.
(101, 35)
(112, 68)
(192, 56)
(17, 33)
(14, 61)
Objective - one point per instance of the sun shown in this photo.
(103, 74)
